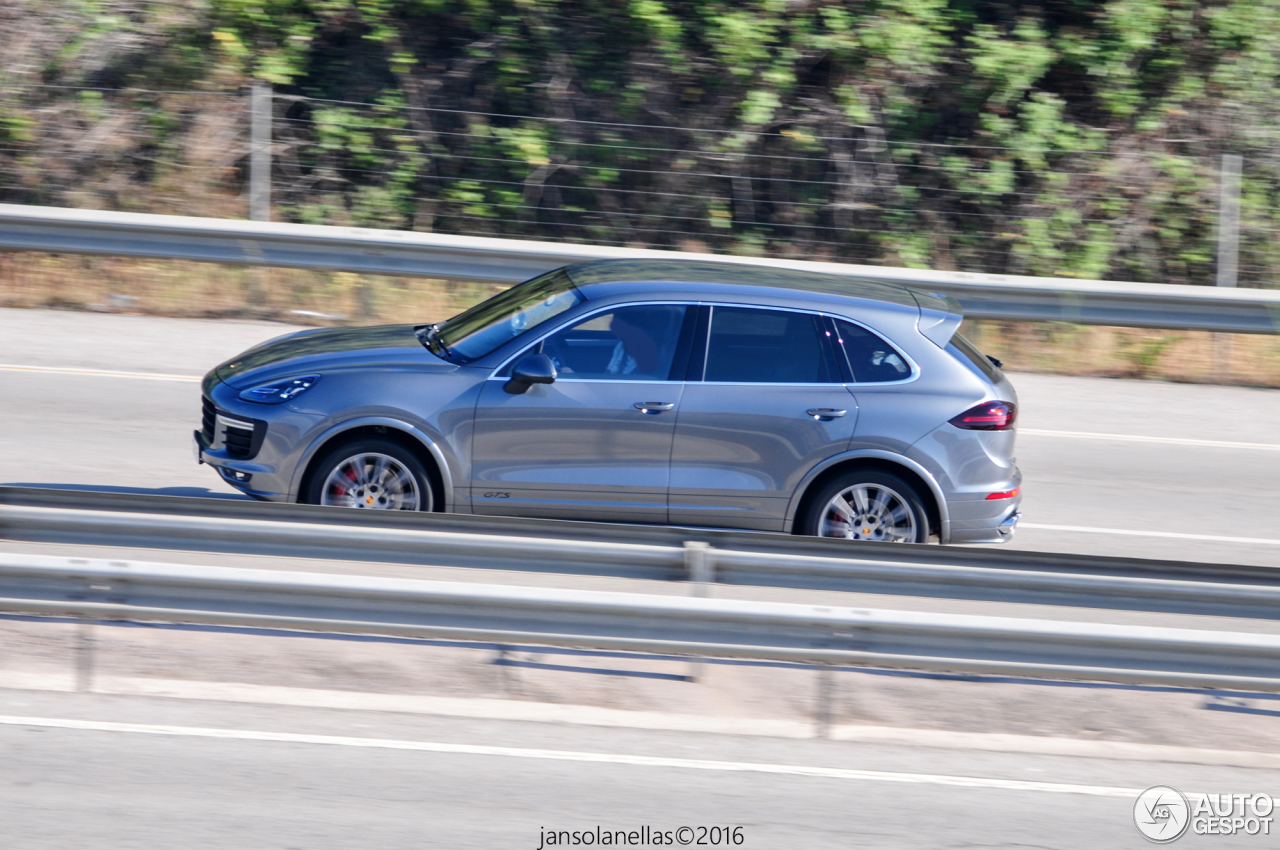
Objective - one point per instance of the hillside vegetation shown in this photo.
(1068, 137)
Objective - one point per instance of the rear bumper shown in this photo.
(998, 530)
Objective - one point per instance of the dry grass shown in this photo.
(1191, 356)
(177, 288)
(206, 290)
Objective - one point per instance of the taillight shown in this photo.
(988, 416)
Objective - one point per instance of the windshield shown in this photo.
(505, 316)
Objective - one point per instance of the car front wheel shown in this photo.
(370, 474)
(868, 505)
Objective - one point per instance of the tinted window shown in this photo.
(505, 316)
(871, 359)
(747, 345)
(628, 344)
(969, 353)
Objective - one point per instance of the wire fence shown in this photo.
(819, 188)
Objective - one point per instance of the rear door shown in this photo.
(766, 404)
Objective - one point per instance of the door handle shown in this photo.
(821, 413)
(654, 407)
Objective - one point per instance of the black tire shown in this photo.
(818, 522)
(369, 494)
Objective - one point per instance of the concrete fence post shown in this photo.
(260, 152)
(1228, 248)
(259, 282)
(1229, 220)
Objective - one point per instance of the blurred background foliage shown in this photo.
(1067, 137)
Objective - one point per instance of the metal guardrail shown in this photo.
(395, 252)
(698, 627)
(655, 553)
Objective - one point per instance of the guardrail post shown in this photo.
(823, 709)
(84, 656)
(701, 572)
(699, 567)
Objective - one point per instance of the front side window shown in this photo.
(523, 307)
(759, 346)
(871, 359)
(636, 343)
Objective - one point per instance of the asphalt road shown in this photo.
(1118, 467)
(129, 770)
(144, 772)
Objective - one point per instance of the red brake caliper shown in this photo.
(342, 491)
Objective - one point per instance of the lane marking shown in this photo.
(485, 708)
(1134, 533)
(101, 373)
(1035, 432)
(1134, 438)
(569, 755)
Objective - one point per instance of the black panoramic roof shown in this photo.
(736, 274)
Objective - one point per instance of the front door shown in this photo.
(596, 443)
(772, 404)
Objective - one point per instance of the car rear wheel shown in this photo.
(370, 474)
(868, 505)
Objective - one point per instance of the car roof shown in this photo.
(737, 274)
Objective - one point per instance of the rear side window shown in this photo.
(756, 346)
(966, 352)
(871, 359)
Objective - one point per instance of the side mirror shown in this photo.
(534, 369)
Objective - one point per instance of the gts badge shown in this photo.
(497, 495)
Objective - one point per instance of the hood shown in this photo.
(316, 350)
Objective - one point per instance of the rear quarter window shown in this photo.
(871, 359)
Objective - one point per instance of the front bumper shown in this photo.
(253, 448)
(238, 474)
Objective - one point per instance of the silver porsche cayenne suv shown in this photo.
(645, 391)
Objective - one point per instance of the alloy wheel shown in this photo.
(372, 481)
(868, 512)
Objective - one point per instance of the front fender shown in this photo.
(944, 517)
(430, 444)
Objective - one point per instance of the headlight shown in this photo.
(279, 391)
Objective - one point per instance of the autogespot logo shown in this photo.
(1161, 814)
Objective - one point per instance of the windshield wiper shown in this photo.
(429, 336)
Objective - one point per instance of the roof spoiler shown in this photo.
(940, 316)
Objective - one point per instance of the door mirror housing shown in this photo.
(534, 369)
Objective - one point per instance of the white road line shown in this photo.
(568, 755)
(101, 373)
(1132, 533)
(1034, 432)
(1135, 438)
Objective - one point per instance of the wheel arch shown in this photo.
(935, 503)
(413, 439)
